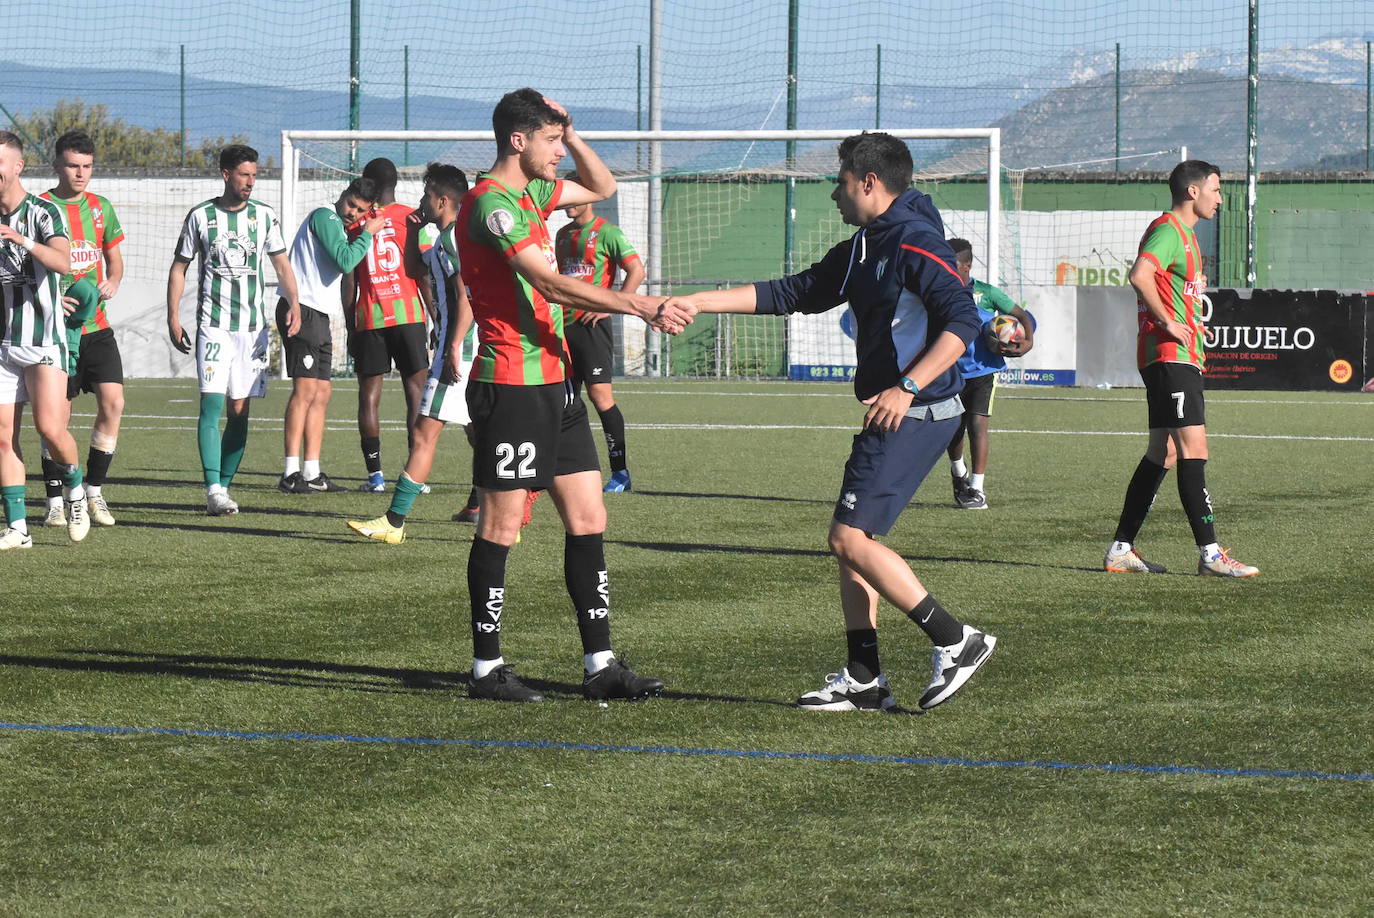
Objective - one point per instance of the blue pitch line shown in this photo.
(688, 751)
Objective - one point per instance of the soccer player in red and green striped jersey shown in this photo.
(1169, 280)
(593, 249)
(95, 233)
(529, 433)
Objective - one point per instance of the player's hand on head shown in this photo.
(559, 109)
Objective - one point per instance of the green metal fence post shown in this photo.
(1252, 146)
(1118, 107)
(354, 69)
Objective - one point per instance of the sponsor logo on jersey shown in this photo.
(878, 271)
(849, 500)
(85, 256)
(578, 269)
(1192, 288)
(500, 222)
(230, 255)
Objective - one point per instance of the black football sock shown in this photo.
(1140, 497)
(97, 466)
(589, 587)
(487, 593)
(942, 628)
(613, 426)
(863, 654)
(372, 454)
(52, 478)
(1197, 503)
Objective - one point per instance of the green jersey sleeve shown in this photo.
(329, 230)
(114, 232)
(995, 299)
(499, 223)
(618, 245)
(1163, 246)
(545, 194)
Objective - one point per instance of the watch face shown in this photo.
(908, 385)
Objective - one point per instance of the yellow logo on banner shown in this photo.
(1341, 371)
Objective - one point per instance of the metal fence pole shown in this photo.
(354, 70)
(405, 109)
(1252, 146)
(183, 105)
(1117, 166)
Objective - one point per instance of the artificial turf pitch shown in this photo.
(269, 717)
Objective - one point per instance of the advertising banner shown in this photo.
(1287, 339)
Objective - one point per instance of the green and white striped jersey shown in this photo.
(233, 246)
(30, 294)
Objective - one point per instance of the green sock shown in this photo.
(231, 453)
(13, 496)
(71, 476)
(404, 497)
(211, 407)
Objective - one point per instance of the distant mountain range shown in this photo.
(1312, 108)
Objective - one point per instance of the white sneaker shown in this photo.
(220, 504)
(78, 520)
(56, 518)
(955, 664)
(13, 538)
(1130, 562)
(99, 510)
(1223, 565)
(842, 693)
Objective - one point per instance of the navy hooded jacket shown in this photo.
(897, 275)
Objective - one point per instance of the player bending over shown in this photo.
(914, 317)
(979, 366)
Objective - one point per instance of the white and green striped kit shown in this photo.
(30, 295)
(233, 246)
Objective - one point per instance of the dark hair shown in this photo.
(882, 154)
(364, 189)
(446, 179)
(1189, 172)
(11, 140)
(232, 156)
(523, 111)
(76, 142)
(382, 171)
(963, 249)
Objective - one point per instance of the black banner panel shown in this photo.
(1288, 339)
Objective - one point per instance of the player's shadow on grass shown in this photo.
(763, 497)
(231, 529)
(299, 673)
(775, 551)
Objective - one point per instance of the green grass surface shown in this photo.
(279, 621)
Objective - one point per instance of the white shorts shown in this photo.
(15, 360)
(447, 402)
(232, 363)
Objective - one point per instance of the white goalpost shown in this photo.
(711, 212)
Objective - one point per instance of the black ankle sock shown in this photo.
(52, 478)
(97, 466)
(584, 571)
(1140, 496)
(613, 426)
(943, 628)
(372, 454)
(1197, 503)
(487, 593)
(863, 663)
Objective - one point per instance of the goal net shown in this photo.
(705, 209)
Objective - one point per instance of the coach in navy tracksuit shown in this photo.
(914, 318)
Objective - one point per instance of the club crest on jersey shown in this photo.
(500, 222)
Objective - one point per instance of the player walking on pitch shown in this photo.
(530, 433)
(444, 399)
(34, 254)
(914, 317)
(233, 235)
(95, 235)
(386, 321)
(979, 366)
(1170, 352)
(321, 254)
(592, 249)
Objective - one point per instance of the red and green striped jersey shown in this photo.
(233, 246)
(520, 336)
(387, 296)
(31, 295)
(593, 252)
(1173, 249)
(93, 230)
